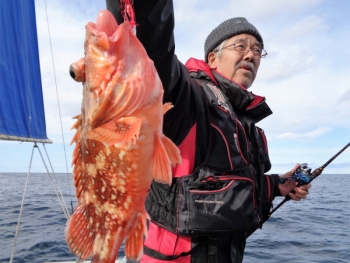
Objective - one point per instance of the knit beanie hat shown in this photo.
(228, 29)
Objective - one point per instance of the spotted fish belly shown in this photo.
(110, 193)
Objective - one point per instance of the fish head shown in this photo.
(119, 78)
(97, 67)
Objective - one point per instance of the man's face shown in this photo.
(237, 66)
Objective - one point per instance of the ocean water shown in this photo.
(313, 230)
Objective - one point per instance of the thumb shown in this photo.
(290, 173)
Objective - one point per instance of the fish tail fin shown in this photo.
(107, 244)
(106, 250)
(134, 241)
(78, 235)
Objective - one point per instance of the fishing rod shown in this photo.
(302, 175)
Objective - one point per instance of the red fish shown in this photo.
(120, 147)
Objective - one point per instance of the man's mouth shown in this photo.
(246, 66)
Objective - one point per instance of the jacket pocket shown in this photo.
(219, 204)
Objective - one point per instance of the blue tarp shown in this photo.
(21, 99)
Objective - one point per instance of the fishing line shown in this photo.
(59, 107)
(330, 147)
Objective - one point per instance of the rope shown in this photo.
(58, 191)
(22, 204)
(59, 107)
(127, 10)
(54, 187)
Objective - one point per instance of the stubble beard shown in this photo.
(249, 77)
(248, 80)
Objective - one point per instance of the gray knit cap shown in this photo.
(228, 29)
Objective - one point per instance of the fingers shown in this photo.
(305, 187)
(295, 167)
(294, 197)
(300, 192)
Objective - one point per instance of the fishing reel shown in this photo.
(302, 175)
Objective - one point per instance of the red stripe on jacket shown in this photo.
(160, 239)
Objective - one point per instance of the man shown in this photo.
(220, 194)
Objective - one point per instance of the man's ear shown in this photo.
(212, 60)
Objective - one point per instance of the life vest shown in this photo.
(227, 191)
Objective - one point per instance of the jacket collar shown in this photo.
(242, 100)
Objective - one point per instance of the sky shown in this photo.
(305, 77)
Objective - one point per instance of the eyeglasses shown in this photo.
(243, 48)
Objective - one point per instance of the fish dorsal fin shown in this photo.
(125, 130)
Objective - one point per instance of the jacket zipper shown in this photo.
(226, 143)
(262, 134)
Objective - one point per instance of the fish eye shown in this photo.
(72, 73)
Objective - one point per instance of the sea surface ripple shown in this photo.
(313, 230)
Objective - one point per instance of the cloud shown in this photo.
(345, 97)
(294, 49)
(307, 135)
(310, 25)
(195, 19)
(267, 9)
(285, 66)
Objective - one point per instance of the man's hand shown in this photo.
(300, 192)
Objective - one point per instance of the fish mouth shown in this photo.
(101, 33)
(105, 22)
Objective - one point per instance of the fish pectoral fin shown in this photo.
(78, 233)
(125, 129)
(161, 161)
(134, 241)
(167, 106)
(172, 150)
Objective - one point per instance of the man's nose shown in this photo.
(249, 55)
